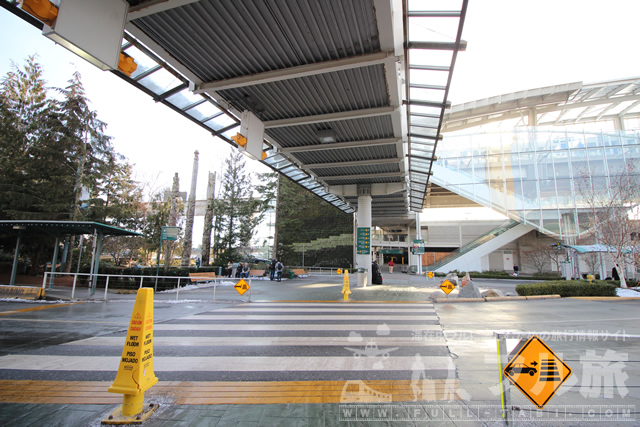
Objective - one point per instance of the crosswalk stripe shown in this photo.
(289, 327)
(261, 341)
(303, 317)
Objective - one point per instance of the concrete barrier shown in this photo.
(23, 292)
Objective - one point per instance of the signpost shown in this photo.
(168, 233)
(537, 371)
(363, 241)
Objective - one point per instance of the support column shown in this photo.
(94, 282)
(363, 260)
(418, 237)
(191, 207)
(53, 262)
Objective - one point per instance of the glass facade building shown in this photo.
(533, 175)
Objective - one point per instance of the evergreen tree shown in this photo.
(237, 212)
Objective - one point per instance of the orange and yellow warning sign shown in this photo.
(537, 371)
(242, 286)
(339, 271)
(430, 274)
(447, 287)
(135, 374)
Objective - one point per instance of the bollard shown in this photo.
(345, 286)
(135, 374)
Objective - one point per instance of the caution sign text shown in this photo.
(242, 286)
(537, 371)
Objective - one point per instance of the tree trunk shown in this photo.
(208, 219)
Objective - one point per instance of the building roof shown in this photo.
(61, 228)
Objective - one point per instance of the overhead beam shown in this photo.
(152, 7)
(351, 163)
(297, 72)
(331, 117)
(462, 46)
(338, 145)
(362, 176)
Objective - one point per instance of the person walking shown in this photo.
(279, 269)
(391, 264)
(272, 269)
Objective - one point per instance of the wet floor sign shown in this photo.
(537, 371)
(242, 286)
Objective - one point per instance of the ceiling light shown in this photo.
(326, 136)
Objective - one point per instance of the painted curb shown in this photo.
(497, 299)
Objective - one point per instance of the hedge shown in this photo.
(574, 288)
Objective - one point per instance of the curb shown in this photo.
(607, 298)
(492, 299)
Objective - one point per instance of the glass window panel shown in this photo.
(547, 193)
(565, 193)
(219, 122)
(424, 121)
(431, 95)
(423, 131)
(142, 60)
(530, 194)
(160, 81)
(433, 29)
(184, 98)
(596, 162)
(616, 166)
(428, 77)
(440, 58)
(231, 132)
(436, 5)
(203, 111)
(551, 221)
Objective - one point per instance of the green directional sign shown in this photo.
(418, 247)
(391, 251)
(363, 240)
(170, 233)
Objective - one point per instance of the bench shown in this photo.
(299, 272)
(254, 273)
(202, 277)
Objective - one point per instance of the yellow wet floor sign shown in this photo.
(135, 374)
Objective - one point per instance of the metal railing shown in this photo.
(136, 280)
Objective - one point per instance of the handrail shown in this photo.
(109, 277)
(502, 228)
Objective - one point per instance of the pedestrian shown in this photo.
(272, 269)
(245, 270)
(391, 264)
(239, 270)
(614, 273)
(515, 271)
(279, 268)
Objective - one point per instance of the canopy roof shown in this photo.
(61, 228)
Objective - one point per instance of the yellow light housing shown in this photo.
(44, 10)
(264, 155)
(240, 139)
(126, 64)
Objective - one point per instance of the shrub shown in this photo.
(574, 288)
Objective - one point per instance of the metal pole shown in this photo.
(80, 252)
(106, 288)
(53, 263)
(93, 257)
(73, 288)
(215, 286)
(249, 291)
(141, 279)
(178, 289)
(158, 264)
(44, 280)
(96, 268)
(505, 395)
(14, 268)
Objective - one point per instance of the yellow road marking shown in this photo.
(217, 392)
(357, 302)
(42, 307)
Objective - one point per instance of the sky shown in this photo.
(512, 45)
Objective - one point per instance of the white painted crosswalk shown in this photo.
(267, 342)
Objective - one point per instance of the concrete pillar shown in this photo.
(364, 220)
(96, 266)
(418, 237)
(191, 207)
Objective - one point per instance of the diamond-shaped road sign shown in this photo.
(241, 286)
(430, 274)
(447, 287)
(537, 371)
